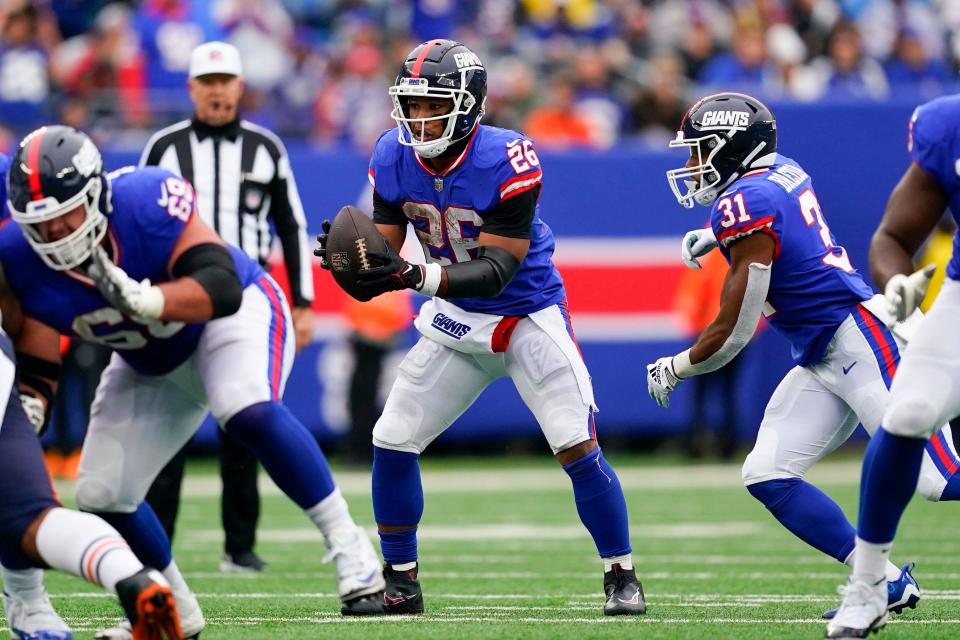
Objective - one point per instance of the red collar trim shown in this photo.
(453, 165)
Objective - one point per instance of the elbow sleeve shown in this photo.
(486, 276)
(212, 266)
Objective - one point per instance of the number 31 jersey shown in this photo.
(813, 286)
(448, 210)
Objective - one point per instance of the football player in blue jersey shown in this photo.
(497, 308)
(786, 264)
(123, 260)
(926, 391)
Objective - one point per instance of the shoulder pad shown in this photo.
(387, 149)
(491, 146)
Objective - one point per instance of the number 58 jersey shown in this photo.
(448, 210)
(813, 286)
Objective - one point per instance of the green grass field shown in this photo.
(503, 555)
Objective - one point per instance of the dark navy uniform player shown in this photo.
(787, 265)
(497, 309)
(926, 391)
(36, 531)
(195, 325)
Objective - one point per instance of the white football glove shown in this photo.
(35, 409)
(696, 244)
(905, 293)
(661, 381)
(141, 300)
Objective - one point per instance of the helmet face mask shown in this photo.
(727, 135)
(51, 181)
(439, 70)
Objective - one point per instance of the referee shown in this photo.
(243, 182)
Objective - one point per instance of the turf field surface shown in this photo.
(503, 555)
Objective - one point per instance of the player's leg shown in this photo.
(244, 360)
(869, 343)
(35, 530)
(137, 424)
(434, 386)
(924, 394)
(548, 371)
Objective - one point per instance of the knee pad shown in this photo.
(930, 486)
(398, 425)
(761, 463)
(914, 417)
(96, 495)
(540, 358)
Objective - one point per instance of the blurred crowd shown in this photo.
(571, 73)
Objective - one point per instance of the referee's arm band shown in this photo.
(212, 266)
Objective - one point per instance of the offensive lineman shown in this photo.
(786, 264)
(213, 333)
(926, 392)
(497, 309)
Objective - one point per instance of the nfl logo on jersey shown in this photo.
(438, 184)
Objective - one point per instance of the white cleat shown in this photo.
(30, 616)
(191, 620)
(357, 564)
(863, 611)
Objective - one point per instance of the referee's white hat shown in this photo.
(215, 57)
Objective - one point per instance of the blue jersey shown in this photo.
(934, 144)
(448, 210)
(151, 206)
(813, 286)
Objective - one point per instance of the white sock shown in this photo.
(331, 513)
(892, 570)
(625, 562)
(175, 578)
(406, 566)
(871, 562)
(84, 545)
(25, 584)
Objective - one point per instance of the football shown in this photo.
(351, 236)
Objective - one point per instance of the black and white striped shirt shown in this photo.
(243, 180)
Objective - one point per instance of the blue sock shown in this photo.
(144, 533)
(891, 468)
(807, 513)
(397, 502)
(286, 450)
(946, 463)
(600, 503)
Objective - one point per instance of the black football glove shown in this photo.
(389, 272)
(322, 251)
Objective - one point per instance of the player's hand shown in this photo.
(36, 411)
(905, 293)
(321, 252)
(661, 381)
(140, 300)
(696, 244)
(389, 273)
(303, 320)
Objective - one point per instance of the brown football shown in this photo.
(351, 236)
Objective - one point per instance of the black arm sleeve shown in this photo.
(291, 236)
(483, 277)
(212, 266)
(513, 218)
(386, 213)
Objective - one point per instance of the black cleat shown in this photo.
(624, 593)
(403, 594)
(371, 604)
(148, 602)
(243, 562)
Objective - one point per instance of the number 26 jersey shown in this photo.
(813, 286)
(448, 210)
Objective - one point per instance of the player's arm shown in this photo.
(38, 369)
(741, 303)
(913, 210)
(205, 284)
